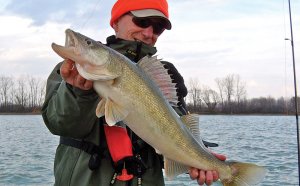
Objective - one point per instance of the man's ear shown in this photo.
(115, 26)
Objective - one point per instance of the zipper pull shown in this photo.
(113, 180)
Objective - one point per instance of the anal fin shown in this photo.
(173, 168)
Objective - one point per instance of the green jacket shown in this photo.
(70, 112)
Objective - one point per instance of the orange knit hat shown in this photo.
(123, 6)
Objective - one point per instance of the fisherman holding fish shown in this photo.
(91, 150)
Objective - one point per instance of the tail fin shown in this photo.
(245, 174)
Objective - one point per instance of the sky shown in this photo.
(209, 39)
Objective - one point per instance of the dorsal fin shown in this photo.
(191, 121)
(156, 71)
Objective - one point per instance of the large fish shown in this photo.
(142, 95)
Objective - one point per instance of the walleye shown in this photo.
(142, 95)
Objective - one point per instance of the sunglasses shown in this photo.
(143, 22)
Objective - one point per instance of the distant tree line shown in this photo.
(26, 95)
(230, 97)
(22, 95)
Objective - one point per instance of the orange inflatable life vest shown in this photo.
(119, 146)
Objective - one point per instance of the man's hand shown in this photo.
(70, 74)
(207, 177)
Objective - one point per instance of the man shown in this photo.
(83, 156)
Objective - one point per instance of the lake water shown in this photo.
(27, 148)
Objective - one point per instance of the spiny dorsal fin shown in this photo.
(191, 121)
(156, 71)
(173, 169)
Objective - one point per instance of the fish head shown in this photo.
(81, 49)
(91, 57)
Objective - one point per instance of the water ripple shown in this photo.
(27, 148)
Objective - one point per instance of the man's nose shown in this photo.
(148, 32)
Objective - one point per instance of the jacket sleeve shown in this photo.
(68, 111)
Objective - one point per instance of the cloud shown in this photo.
(75, 12)
(249, 43)
(26, 48)
(31, 26)
(209, 39)
(41, 11)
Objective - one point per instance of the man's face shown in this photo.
(126, 29)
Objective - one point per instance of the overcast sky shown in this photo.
(210, 38)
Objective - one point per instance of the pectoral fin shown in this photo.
(100, 110)
(157, 151)
(114, 112)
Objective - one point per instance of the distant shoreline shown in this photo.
(17, 113)
(250, 114)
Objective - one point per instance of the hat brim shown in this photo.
(152, 13)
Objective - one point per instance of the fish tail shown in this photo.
(245, 174)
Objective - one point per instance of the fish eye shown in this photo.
(88, 41)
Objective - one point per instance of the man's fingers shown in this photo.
(88, 85)
(69, 73)
(66, 68)
(194, 173)
(79, 80)
(215, 175)
(219, 156)
(82, 83)
(209, 178)
(201, 178)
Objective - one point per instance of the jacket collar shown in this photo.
(134, 50)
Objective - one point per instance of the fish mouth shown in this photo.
(70, 48)
(70, 39)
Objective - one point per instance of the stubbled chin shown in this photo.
(137, 38)
(146, 42)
